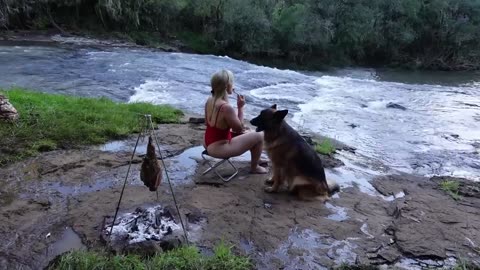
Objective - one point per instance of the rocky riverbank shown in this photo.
(58, 201)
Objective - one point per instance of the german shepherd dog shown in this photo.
(293, 159)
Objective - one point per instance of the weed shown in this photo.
(451, 187)
(183, 258)
(325, 147)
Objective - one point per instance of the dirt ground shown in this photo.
(49, 202)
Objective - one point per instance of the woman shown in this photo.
(221, 120)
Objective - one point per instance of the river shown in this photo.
(437, 134)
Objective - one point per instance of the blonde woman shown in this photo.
(221, 120)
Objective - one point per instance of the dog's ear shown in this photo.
(274, 106)
(279, 115)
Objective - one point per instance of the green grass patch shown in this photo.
(463, 264)
(49, 122)
(184, 258)
(451, 187)
(325, 147)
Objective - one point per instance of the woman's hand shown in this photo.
(240, 101)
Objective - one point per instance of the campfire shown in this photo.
(143, 224)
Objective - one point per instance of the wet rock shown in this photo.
(330, 162)
(308, 139)
(389, 254)
(466, 187)
(195, 216)
(42, 201)
(471, 105)
(426, 224)
(353, 125)
(172, 241)
(393, 210)
(144, 249)
(390, 230)
(392, 105)
(7, 111)
(196, 120)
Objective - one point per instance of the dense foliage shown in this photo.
(426, 33)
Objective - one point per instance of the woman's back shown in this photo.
(214, 114)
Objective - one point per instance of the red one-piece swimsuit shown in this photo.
(214, 134)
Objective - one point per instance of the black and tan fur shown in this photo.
(293, 160)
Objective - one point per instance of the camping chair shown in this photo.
(215, 165)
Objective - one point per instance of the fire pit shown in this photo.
(146, 230)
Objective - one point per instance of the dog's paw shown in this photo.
(269, 182)
(323, 198)
(270, 189)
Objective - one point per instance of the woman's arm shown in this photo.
(240, 105)
(240, 114)
(232, 119)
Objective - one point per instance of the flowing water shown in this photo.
(437, 134)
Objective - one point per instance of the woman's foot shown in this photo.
(259, 170)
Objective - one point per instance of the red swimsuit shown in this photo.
(214, 134)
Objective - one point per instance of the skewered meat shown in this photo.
(151, 171)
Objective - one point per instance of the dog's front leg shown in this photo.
(277, 180)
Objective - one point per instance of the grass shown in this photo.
(184, 258)
(325, 147)
(49, 122)
(451, 187)
(465, 265)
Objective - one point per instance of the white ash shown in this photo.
(151, 223)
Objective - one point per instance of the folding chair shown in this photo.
(215, 165)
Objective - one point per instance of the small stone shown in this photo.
(7, 111)
(392, 105)
(171, 241)
(308, 139)
(393, 210)
(390, 230)
(389, 254)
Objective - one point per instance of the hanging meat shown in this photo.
(151, 172)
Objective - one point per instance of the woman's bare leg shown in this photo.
(252, 141)
(255, 153)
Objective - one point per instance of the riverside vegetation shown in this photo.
(48, 122)
(433, 34)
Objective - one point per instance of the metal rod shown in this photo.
(149, 117)
(124, 183)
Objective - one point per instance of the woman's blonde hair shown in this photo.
(220, 81)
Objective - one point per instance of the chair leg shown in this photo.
(214, 168)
